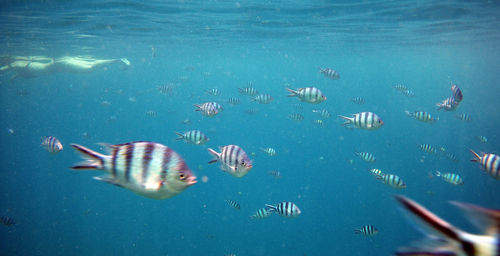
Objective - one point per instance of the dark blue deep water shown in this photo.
(194, 46)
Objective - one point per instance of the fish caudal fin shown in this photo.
(293, 93)
(408, 113)
(347, 120)
(181, 136)
(487, 220)
(94, 160)
(437, 173)
(214, 154)
(477, 157)
(442, 238)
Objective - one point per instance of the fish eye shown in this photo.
(182, 176)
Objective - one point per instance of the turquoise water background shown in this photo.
(200, 45)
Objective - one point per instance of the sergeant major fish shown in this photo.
(422, 116)
(330, 73)
(367, 230)
(489, 163)
(233, 160)
(368, 157)
(286, 209)
(363, 120)
(308, 94)
(444, 239)
(263, 99)
(195, 137)
(451, 178)
(209, 109)
(51, 144)
(392, 180)
(149, 169)
(262, 213)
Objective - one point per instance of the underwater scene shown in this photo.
(250, 128)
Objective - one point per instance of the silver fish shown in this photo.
(330, 73)
(308, 94)
(51, 144)
(233, 160)
(489, 163)
(452, 178)
(363, 120)
(367, 230)
(209, 109)
(286, 209)
(422, 116)
(263, 99)
(149, 169)
(195, 137)
(262, 213)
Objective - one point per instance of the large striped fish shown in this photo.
(286, 209)
(308, 94)
(233, 160)
(489, 163)
(363, 120)
(146, 168)
(444, 239)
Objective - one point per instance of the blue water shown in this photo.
(200, 45)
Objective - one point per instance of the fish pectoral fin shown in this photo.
(152, 185)
(109, 180)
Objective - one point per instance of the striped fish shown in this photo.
(448, 104)
(151, 113)
(296, 117)
(252, 111)
(194, 137)
(167, 89)
(308, 94)
(276, 174)
(482, 139)
(269, 151)
(422, 116)
(213, 91)
(263, 99)
(464, 117)
(323, 113)
(392, 180)
(233, 204)
(233, 101)
(7, 221)
(363, 120)
(358, 100)
(250, 91)
(286, 209)
(233, 160)
(209, 109)
(367, 230)
(51, 144)
(368, 157)
(261, 213)
(408, 93)
(330, 73)
(400, 87)
(444, 239)
(149, 169)
(489, 163)
(318, 123)
(452, 178)
(457, 93)
(376, 172)
(427, 148)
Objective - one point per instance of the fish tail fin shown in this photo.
(441, 237)
(408, 113)
(437, 173)
(198, 107)
(293, 93)
(321, 70)
(347, 120)
(93, 160)
(357, 231)
(439, 105)
(477, 157)
(488, 220)
(181, 136)
(270, 208)
(214, 154)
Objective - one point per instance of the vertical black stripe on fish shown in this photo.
(230, 159)
(113, 161)
(236, 158)
(167, 155)
(129, 155)
(146, 159)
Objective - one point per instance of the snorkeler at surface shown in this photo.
(32, 66)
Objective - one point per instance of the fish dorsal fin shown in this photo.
(487, 220)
